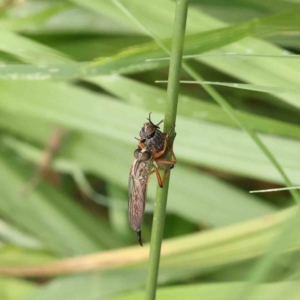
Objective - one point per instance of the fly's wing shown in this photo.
(137, 189)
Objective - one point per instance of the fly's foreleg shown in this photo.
(168, 141)
(141, 144)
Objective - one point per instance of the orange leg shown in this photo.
(160, 181)
(166, 161)
(141, 145)
(165, 177)
(173, 155)
(160, 153)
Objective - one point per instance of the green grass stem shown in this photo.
(170, 116)
(169, 120)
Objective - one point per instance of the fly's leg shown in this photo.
(141, 144)
(160, 153)
(173, 155)
(167, 144)
(165, 177)
(170, 147)
(160, 181)
(167, 162)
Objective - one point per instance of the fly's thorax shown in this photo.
(143, 163)
(142, 154)
(144, 169)
(140, 170)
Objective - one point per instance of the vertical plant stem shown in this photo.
(170, 118)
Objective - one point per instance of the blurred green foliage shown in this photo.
(82, 66)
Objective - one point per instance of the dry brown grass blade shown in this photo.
(136, 254)
(92, 262)
(52, 148)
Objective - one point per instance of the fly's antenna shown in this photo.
(149, 119)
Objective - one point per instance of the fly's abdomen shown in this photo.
(156, 143)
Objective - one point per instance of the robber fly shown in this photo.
(153, 147)
(140, 171)
(159, 144)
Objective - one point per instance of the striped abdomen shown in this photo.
(156, 143)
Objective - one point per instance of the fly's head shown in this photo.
(142, 155)
(142, 161)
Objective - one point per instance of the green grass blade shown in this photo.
(255, 138)
(223, 210)
(269, 72)
(275, 90)
(28, 50)
(198, 253)
(56, 212)
(11, 256)
(151, 98)
(83, 111)
(15, 289)
(216, 291)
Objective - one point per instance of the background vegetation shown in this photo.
(76, 86)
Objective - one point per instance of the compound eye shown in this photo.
(136, 153)
(145, 155)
